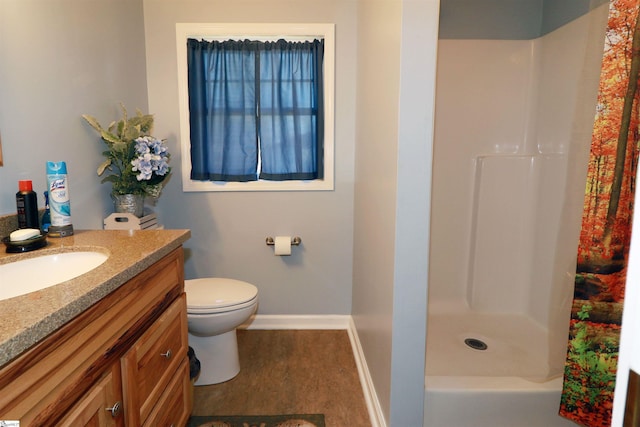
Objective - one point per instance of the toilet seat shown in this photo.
(217, 295)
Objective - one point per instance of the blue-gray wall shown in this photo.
(508, 19)
(60, 59)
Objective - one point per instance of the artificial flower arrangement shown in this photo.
(138, 162)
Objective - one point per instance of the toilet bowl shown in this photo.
(215, 308)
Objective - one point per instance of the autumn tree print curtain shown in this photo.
(596, 315)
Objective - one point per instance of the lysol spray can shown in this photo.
(59, 202)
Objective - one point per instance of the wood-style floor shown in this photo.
(290, 372)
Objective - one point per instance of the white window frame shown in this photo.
(266, 32)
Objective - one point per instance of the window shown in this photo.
(251, 141)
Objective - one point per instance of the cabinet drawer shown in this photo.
(174, 406)
(152, 362)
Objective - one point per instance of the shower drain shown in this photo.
(475, 344)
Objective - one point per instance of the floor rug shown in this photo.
(294, 420)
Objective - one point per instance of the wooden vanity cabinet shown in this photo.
(122, 362)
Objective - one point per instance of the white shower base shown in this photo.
(496, 387)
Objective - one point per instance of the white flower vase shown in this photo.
(129, 203)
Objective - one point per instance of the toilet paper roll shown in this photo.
(282, 245)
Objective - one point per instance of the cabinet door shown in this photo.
(101, 406)
(174, 407)
(152, 362)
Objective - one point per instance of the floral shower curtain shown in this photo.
(592, 353)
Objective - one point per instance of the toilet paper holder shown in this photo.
(295, 241)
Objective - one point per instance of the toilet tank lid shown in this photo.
(216, 292)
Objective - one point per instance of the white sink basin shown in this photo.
(32, 274)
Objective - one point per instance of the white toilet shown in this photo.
(215, 308)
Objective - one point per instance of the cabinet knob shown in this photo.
(115, 409)
(167, 354)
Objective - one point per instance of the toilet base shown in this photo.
(218, 355)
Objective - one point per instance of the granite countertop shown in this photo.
(29, 318)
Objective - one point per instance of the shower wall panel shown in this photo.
(481, 109)
(502, 233)
(515, 219)
(509, 100)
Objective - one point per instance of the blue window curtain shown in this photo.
(291, 128)
(245, 93)
(222, 110)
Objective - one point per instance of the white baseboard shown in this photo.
(277, 321)
(371, 398)
(272, 321)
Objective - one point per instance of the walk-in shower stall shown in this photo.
(515, 102)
